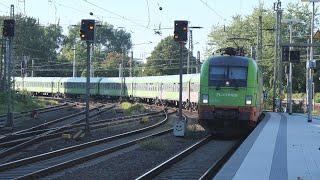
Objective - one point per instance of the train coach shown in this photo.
(38, 86)
(152, 89)
(231, 93)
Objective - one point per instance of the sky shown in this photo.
(140, 17)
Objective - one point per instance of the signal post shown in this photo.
(180, 36)
(87, 34)
(8, 33)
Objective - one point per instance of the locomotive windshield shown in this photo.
(235, 76)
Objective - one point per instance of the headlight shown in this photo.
(205, 98)
(248, 100)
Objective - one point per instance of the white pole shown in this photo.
(74, 61)
(309, 70)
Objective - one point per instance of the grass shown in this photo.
(130, 109)
(154, 144)
(23, 101)
(144, 120)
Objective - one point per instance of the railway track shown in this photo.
(199, 161)
(68, 128)
(35, 136)
(40, 127)
(47, 163)
(39, 111)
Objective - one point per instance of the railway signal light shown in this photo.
(180, 31)
(8, 27)
(87, 30)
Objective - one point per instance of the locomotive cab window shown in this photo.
(228, 75)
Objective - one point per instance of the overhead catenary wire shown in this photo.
(148, 13)
(116, 14)
(82, 11)
(214, 11)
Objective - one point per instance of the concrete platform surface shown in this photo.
(281, 147)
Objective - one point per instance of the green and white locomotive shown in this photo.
(231, 92)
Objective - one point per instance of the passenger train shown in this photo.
(153, 89)
(228, 93)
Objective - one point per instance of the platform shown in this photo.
(281, 147)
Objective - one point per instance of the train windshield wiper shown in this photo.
(236, 87)
(218, 87)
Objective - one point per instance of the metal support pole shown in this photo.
(131, 61)
(189, 48)
(307, 79)
(74, 61)
(91, 61)
(259, 40)
(120, 68)
(180, 80)
(280, 57)
(10, 65)
(9, 84)
(87, 128)
(122, 72)
(275, 64)
(198, 62)
(310, 81)
(5, 65)
(289, 95)
(32, 66)
(290, 88)
(21, 68)
(2, 68)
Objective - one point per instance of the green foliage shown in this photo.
(246, 27)
(144, 120)
(23, 101)
(164, 59)
(109, 42)
(130, 109)
(111, 63)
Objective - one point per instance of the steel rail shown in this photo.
(76, 161)
(93, 125)
(45, 156)
(215, 168)
(168, 163)
(36, 139)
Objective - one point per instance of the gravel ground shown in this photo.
(59, 143)
(26, 122)
(135, 160)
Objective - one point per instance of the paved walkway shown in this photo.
(281, 147)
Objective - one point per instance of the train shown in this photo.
(151, 89)
(231, 93)
(228, 93)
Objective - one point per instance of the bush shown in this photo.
(23, 101)
(130, 109)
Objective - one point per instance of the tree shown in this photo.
(107, 40)
(36, 42)
(164, 59)
(110, 66)
(247, 26)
